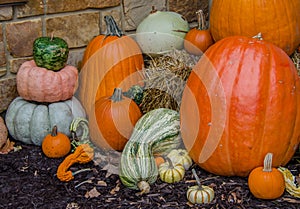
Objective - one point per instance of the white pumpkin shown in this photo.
(161, 31)
(30, 122)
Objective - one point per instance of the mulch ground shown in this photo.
(28, 180)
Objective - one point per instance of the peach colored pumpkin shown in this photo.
(42, 85)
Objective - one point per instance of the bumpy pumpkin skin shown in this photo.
(30, 122)
(278, 21)
(246, 93)
(42, 85)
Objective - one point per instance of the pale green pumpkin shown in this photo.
(30, 122)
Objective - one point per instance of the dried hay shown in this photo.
(296, 59)
(165, 79)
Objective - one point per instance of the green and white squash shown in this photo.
(155, 133)
(50, 52)
(30, 122)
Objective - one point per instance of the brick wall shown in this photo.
(76, 21)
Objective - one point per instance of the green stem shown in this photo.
(117, 95)
(112, 27)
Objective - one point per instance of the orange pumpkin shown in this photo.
(197, 40)
(56, 144)
(241, 100)
(42, 85)
(266, 182)
(278, 21)
(116, 117)
(113, 59)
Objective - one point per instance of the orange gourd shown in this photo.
(241, 100)
(84, 153)
(197, 40)
(266, 182)
(42, 85)
(116, 117)
(278, 21)
(56, 144)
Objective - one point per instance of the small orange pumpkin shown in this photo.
(116, 117)
(266, 182)
(56, 144)
(197, 40)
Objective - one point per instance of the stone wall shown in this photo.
(76, 21)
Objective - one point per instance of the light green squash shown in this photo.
(30, 122)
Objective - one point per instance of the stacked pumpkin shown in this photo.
(111, 65)
(46, 86)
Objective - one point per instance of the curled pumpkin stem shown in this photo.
(83, 154)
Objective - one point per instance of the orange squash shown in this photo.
(116, 117)
(266, 182)
(197, 40)
(241, 100)
(278, 21)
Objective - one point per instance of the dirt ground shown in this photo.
(28, 180)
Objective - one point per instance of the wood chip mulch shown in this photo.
(28, 180)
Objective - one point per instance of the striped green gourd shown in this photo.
(156, 132)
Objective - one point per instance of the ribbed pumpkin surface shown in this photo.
(242, 100)
(277, 20)
(42, 85)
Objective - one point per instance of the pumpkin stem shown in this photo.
(268, 162)
(117, 95)
(153, 10)
(112, 27)
(200, 18)
(197, 178)
(52, 35)
(171, 165)
(54, 131)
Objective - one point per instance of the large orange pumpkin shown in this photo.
(241, 101)
(277, 20)
(114, 59)
(116, 116)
